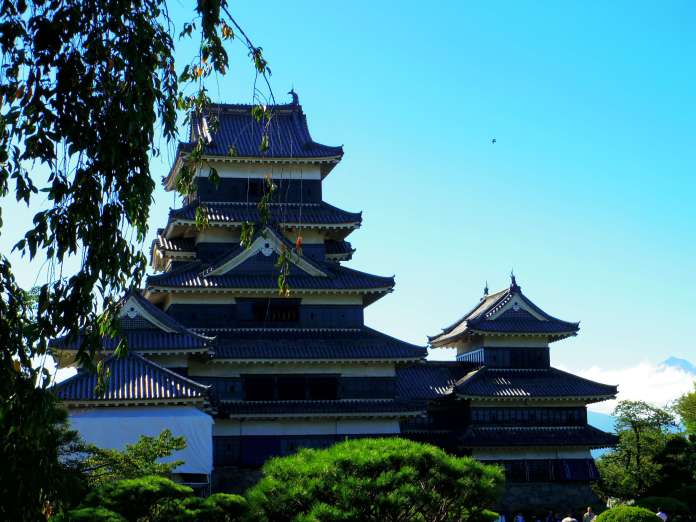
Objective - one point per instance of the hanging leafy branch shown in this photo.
(86, 87)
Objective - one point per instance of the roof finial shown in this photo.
(513, 281)
(485, 289)
(295, 97)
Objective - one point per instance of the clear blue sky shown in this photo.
(588, 192)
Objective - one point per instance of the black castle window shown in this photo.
(255, 189)
(551, 470)
(322, 388)
(290, 387)
(529, 416)
(516, 357)
(269, 310)
(260, 388)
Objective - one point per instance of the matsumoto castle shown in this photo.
(217, 355)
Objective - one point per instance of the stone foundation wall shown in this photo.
(542, 497)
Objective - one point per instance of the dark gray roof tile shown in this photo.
(131, 378)
(429, 380)
(496, 383)
(557, 436)
(287, 130)
(340, 278)
(364, 343)
(485, 317)
(288, 214)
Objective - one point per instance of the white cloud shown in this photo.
(655, 384)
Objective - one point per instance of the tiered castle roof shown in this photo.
(328, 345)
(132, 380)
(507, 312)
(530, 383)
(147, 330)
(233, 135)
(294, 215)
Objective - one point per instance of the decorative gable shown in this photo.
(135, 316)
(267, 243)
(516, 305)
(508, 312)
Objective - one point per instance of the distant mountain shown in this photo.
(682, 364)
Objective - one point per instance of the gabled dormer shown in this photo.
(262, 255)
(147, 330)
(505, 330)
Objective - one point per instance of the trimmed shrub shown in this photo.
(375, 480)
(627, 514)
(675, 509)
(135, 498)
(90, 514)
(220, 507)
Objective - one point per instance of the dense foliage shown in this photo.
(676, 460)
(631, 468)
(155, 499)
(375, 480)
(686, 409)
(136, 460)
(687, 494)
(219, 507)
(90, 514)
(50, 469)
(652, 464)
(134, 498)
(627, 514)
(86, 89)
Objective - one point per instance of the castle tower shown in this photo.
(287, 364)
(516, 409)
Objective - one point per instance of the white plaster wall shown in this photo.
(512, 341)
(212, 298)
(218, 235)
(186, 298)
(309, 237)
(228, 427)
(114, 428)
(333, 299)
(257, 170)
(197, 368)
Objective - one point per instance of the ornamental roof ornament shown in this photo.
(295, 97)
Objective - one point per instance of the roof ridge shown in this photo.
(542, 312)
(471, 376)
(254, 203)
(382, 334)
(494, 297)
(341, 268)
(184, 267)
(164, 316)
(220, 261)
(556, 370)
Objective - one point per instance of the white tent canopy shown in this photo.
(113, 428)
